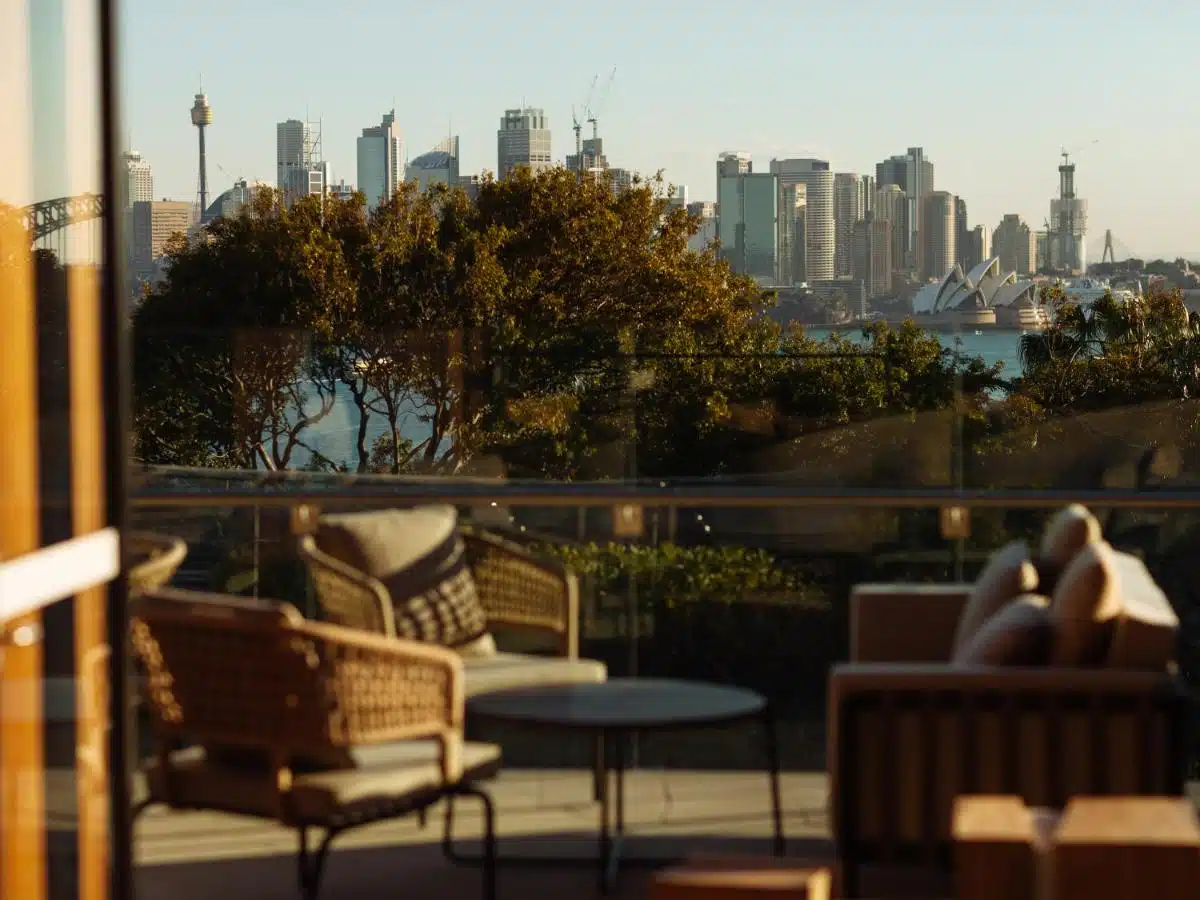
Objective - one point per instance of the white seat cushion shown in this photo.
(516, 670)
(389, 778)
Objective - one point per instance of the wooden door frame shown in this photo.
(117, 390)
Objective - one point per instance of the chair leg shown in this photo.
(598, 770)
(311, 864)
(489, 836)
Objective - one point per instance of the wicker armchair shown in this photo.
(317, 727)
(519, 592)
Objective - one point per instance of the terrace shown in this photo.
(686, 796)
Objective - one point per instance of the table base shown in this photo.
(610, 791)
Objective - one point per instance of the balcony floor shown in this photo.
(198, 856)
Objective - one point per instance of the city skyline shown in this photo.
(664, 111)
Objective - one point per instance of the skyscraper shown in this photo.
(139, 179)
(1016, 245)
(748, 218)
(939, 239)
(1068, 223)
(820, 237)
(872, 256)
(913, 174)
(299, 170)
(379, 155)
(793, 233)
(848, 208)
(891, 206)
(523, 140)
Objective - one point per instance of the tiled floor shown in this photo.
(199, 856)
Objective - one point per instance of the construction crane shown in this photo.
(594, 112)
(1067, 154)
(577, 122)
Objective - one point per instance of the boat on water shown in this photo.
(1087, 290)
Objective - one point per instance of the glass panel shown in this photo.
(757, 597)
(53, 481)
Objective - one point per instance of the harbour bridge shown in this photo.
(70, 226)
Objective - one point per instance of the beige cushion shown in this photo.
(387, 543)
(1085, 598)
(401, 775)
(1071, 529)
(1145, 632)
(502, 671)
(1021, 634)
(1008, 574)
(419, 557)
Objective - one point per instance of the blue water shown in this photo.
(992, 345)
(335, 435)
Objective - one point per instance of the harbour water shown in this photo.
(993, 345)
(335, 435)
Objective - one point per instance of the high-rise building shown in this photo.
(793, 234)
(872, 240)
(868, 194)
(848, 208)
(891, 206)
(154, 222)
(748, 224)
(979, 244)
(961, 230)
(820, 233)
(938, 235)
(913, 174)
(523, 140)
(731, 162)
(379, 154)
(470, 184)
(1016, 244)
(706, 212)
(299, 170)
(139, 179)
(438, 166)
(1068, 223)
(590, 158)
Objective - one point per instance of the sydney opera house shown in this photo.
(983, 297)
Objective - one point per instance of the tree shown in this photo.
(222, 343)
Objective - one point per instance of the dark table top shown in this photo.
(640, 704)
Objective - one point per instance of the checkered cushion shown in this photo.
(447, 612)
(419, 557)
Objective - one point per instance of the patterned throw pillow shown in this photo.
(448, 611)
(419, 557)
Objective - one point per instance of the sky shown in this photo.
(993, 92)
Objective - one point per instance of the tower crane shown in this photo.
(577, 122)
(1067, 154)
(594, 112)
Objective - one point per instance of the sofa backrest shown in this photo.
(911, 623)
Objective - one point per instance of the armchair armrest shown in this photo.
(522, 591)
(905, 623)
(348, 597)
(383, 689)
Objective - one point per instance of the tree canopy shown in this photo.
(554, 328)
